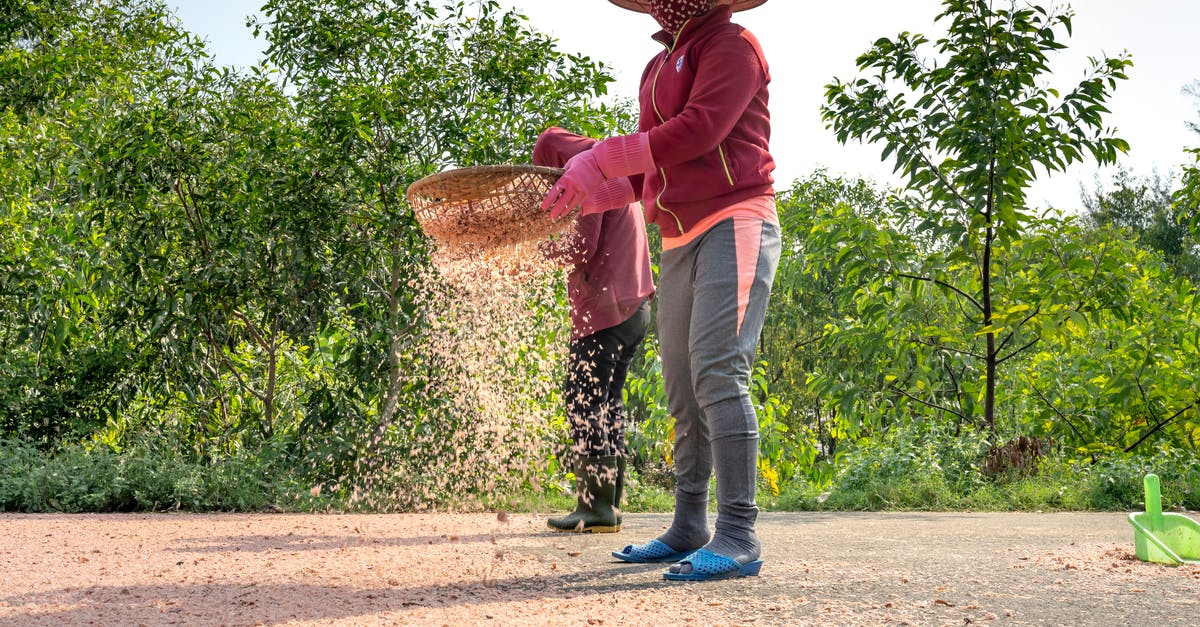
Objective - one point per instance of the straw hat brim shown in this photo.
(643, 6)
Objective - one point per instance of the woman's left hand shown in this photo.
(581, 176)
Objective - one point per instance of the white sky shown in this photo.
(809, 43)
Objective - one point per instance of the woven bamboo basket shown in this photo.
(487, 206)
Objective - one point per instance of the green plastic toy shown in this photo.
(1164, 538)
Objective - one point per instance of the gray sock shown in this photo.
(693, 470)
(734, 428)
(689, 529)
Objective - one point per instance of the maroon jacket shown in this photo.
(704, 104)
(607, 252)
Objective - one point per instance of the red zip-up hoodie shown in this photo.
(704, 104)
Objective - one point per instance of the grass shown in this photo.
(82, 479)
(1058, 486)
(156, 478)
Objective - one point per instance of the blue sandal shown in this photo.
(708, 566)
(652, 552)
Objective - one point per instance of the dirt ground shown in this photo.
(442, 569)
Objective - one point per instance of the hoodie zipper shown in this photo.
(654, 103)
(662, 172)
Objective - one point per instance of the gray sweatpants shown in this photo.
(712, 299)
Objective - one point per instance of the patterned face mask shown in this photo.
(671, 14)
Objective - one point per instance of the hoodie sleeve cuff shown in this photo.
(611, 194)
(624, 155)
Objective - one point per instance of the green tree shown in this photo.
(1107, 347)
(67, 71)
(1187, 198)
(1144, 208)
(223, 260)
(1193, 90)
(397, 91)
(969, 130)
(401, 90)
(814, 292)
(1119, 377)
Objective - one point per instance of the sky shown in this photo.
(808, 44)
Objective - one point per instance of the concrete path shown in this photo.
(459, 569)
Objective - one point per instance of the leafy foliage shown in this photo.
(979, 125)
(213, 294)
(224, 260)
(1145, 209)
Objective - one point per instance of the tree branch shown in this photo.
(958, 397)
(253, 330)
(184, 192)
(918, 340)
(1017, 351)
(1158, 427)
(925, 159)
(943, 284)
(927, 403)
(1062, 416)
(795, 347)
(1012, 333)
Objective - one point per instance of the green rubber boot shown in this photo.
(596, 480)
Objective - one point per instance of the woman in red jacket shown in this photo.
(701, 165)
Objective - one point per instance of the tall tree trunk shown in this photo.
(985, 275)
(989, 394)
(393, 391)
(272, 374)
(391, 398)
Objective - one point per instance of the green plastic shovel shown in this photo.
(1164, 538)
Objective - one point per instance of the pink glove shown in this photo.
(612, 158)
(611, 194)
(580, 177)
